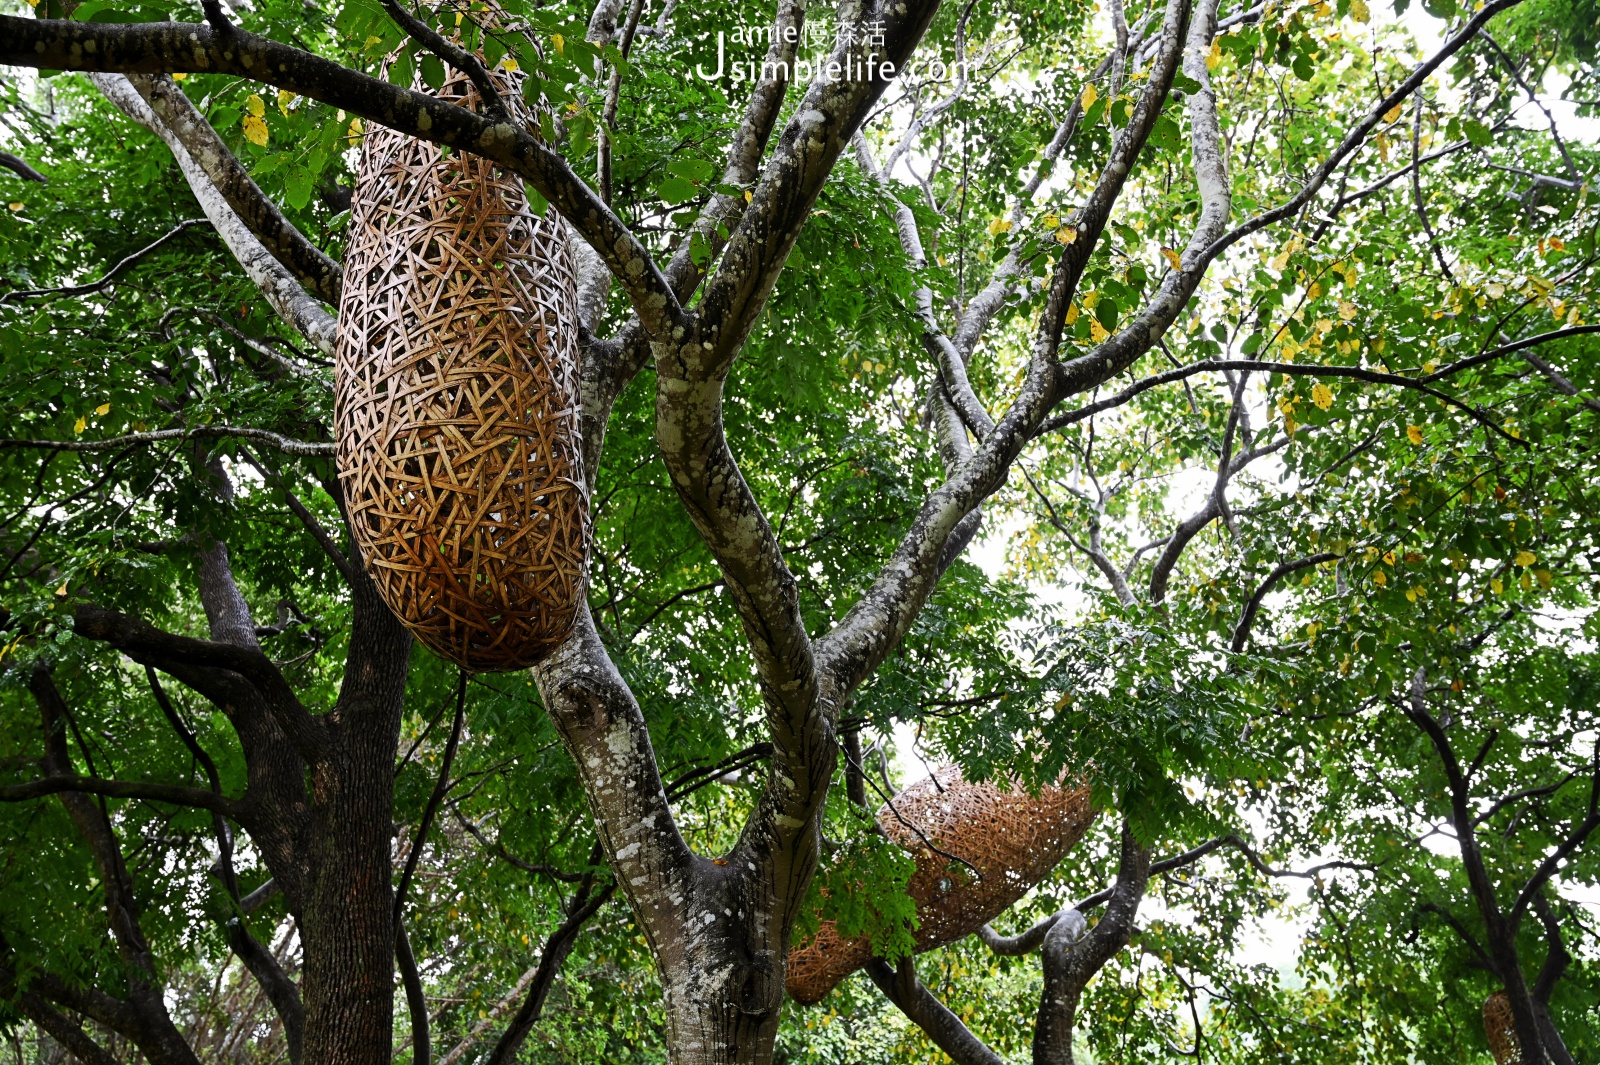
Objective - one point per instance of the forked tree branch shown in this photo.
(878, 621)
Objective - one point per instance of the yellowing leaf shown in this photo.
(1414, 434)
(285, 98)
(1380, 578)
(1052, 222)
(1216, 55)
(79, 425)
(1090, 95)
(255, 130)
(1072, 313)
(15, 206)
(1525, 558)
(1494, 290)
(1173, 258)
(353, 134)
(1496, 585)
(1097, 332)
(1388, 558)
(559, 42)
(103, 409)
(1322, 396)
(179, 77)
(998, 226)
(1393, 113)
(1545, 579)
(1066, 235)
(1347, 310)
(255, 105)
(1358, 10)
(63, 589)
(509, 64)
(748, 196)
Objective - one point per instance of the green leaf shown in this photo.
(676, 190)
(1106, 312)
(1477, 132)
(432, 71)
(298, 187)
(695, 170)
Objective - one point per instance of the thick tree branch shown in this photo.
(321, 275)
(277, 284)
(176, 794)
(151, 646)
(21, 169)
(1070, 963)
(902, 987)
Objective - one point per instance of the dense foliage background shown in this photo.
(1440, 637)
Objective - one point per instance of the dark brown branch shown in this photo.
(175, 794)
(1247, 617)
(1507, 349)
(21, 169)
(416, 999)
(1357, 136)
(440, 788)
(61, 1028)
(1088, 410)
(463, 61)
(585, 904)
(1552, 863)
(110, 276)
(902, 987)
(148, 645)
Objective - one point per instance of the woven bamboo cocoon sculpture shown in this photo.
(1499, 1026)
(1013, 839)
(456, 401)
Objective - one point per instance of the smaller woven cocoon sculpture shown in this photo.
(456, 400)
(1012, 838)
(1501, 1029)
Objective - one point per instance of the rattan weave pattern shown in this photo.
(1500, 1028)
(456, 400)
(1013, 838)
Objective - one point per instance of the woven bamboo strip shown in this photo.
(1500, 1027)
(1012, 838)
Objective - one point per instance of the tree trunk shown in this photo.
(349, 916)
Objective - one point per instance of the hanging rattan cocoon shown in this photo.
(1013, 839)
(1501, 1030)
(456, 400)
